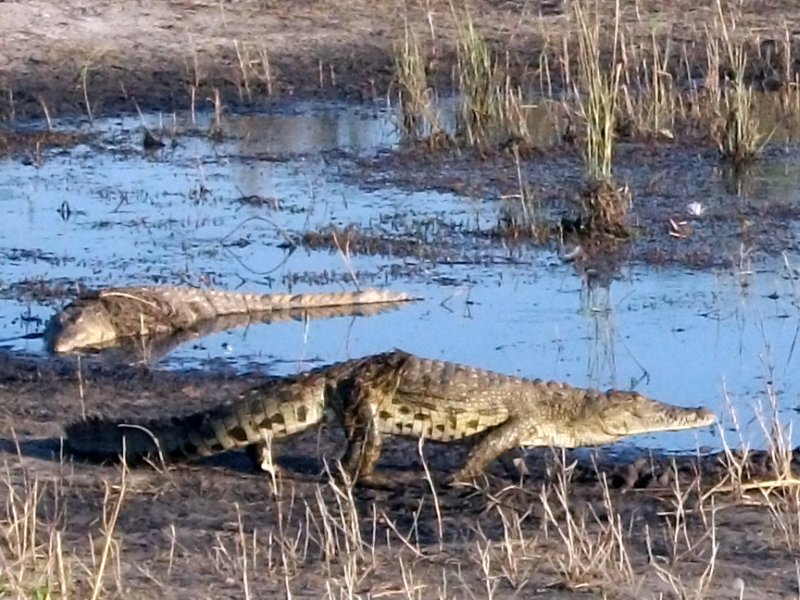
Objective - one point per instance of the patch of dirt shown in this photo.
(30, 144)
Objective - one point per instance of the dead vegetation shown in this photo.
(33, 145)
(60, 534)
(580, 78)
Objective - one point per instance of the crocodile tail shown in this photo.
(101, 439)
(277, 410)
(227, 302)
(365, 296)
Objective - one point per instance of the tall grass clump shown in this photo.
(593, 547)
(738, 129)
(31, 552)
(478, 68)
(493, 107)
(649, 101)
(417, 103)
(596, 95)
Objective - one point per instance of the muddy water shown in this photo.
(229, 213)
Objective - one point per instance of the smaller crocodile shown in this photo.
(148, 349)
(399, 394)
(100, 319)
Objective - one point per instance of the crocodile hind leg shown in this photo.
(358, 410)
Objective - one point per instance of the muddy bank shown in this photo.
(217, 528)
(582, 523)
(102, 58)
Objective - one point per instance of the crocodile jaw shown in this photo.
(611, 416)
(630, 413)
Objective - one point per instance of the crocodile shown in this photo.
(100, 319)
(393, 393)
(150, 348)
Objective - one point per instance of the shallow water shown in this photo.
(108, 214)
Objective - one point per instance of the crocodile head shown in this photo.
(608, 417)
(80, 326)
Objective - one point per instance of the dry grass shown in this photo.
(35, 562)
(492, 109)
(478, 69)
(417, 102)
(649, 101)
(521, 216)
(738, 135)
(31, 553)
(593, 549)
(329, 538)
(767, 479)
(596, 91)
(618, 73)
(596, 94)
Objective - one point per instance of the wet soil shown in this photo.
(184, 55)
(664, 178)
(192, 530)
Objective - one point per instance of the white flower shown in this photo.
(696, 209)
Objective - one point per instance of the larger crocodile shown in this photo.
(102, 318)
(400, 394)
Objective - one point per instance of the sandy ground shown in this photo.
(218, 529)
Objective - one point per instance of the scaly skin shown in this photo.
(100, 319)
(399, 394)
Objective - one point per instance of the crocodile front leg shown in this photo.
(495, 442)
